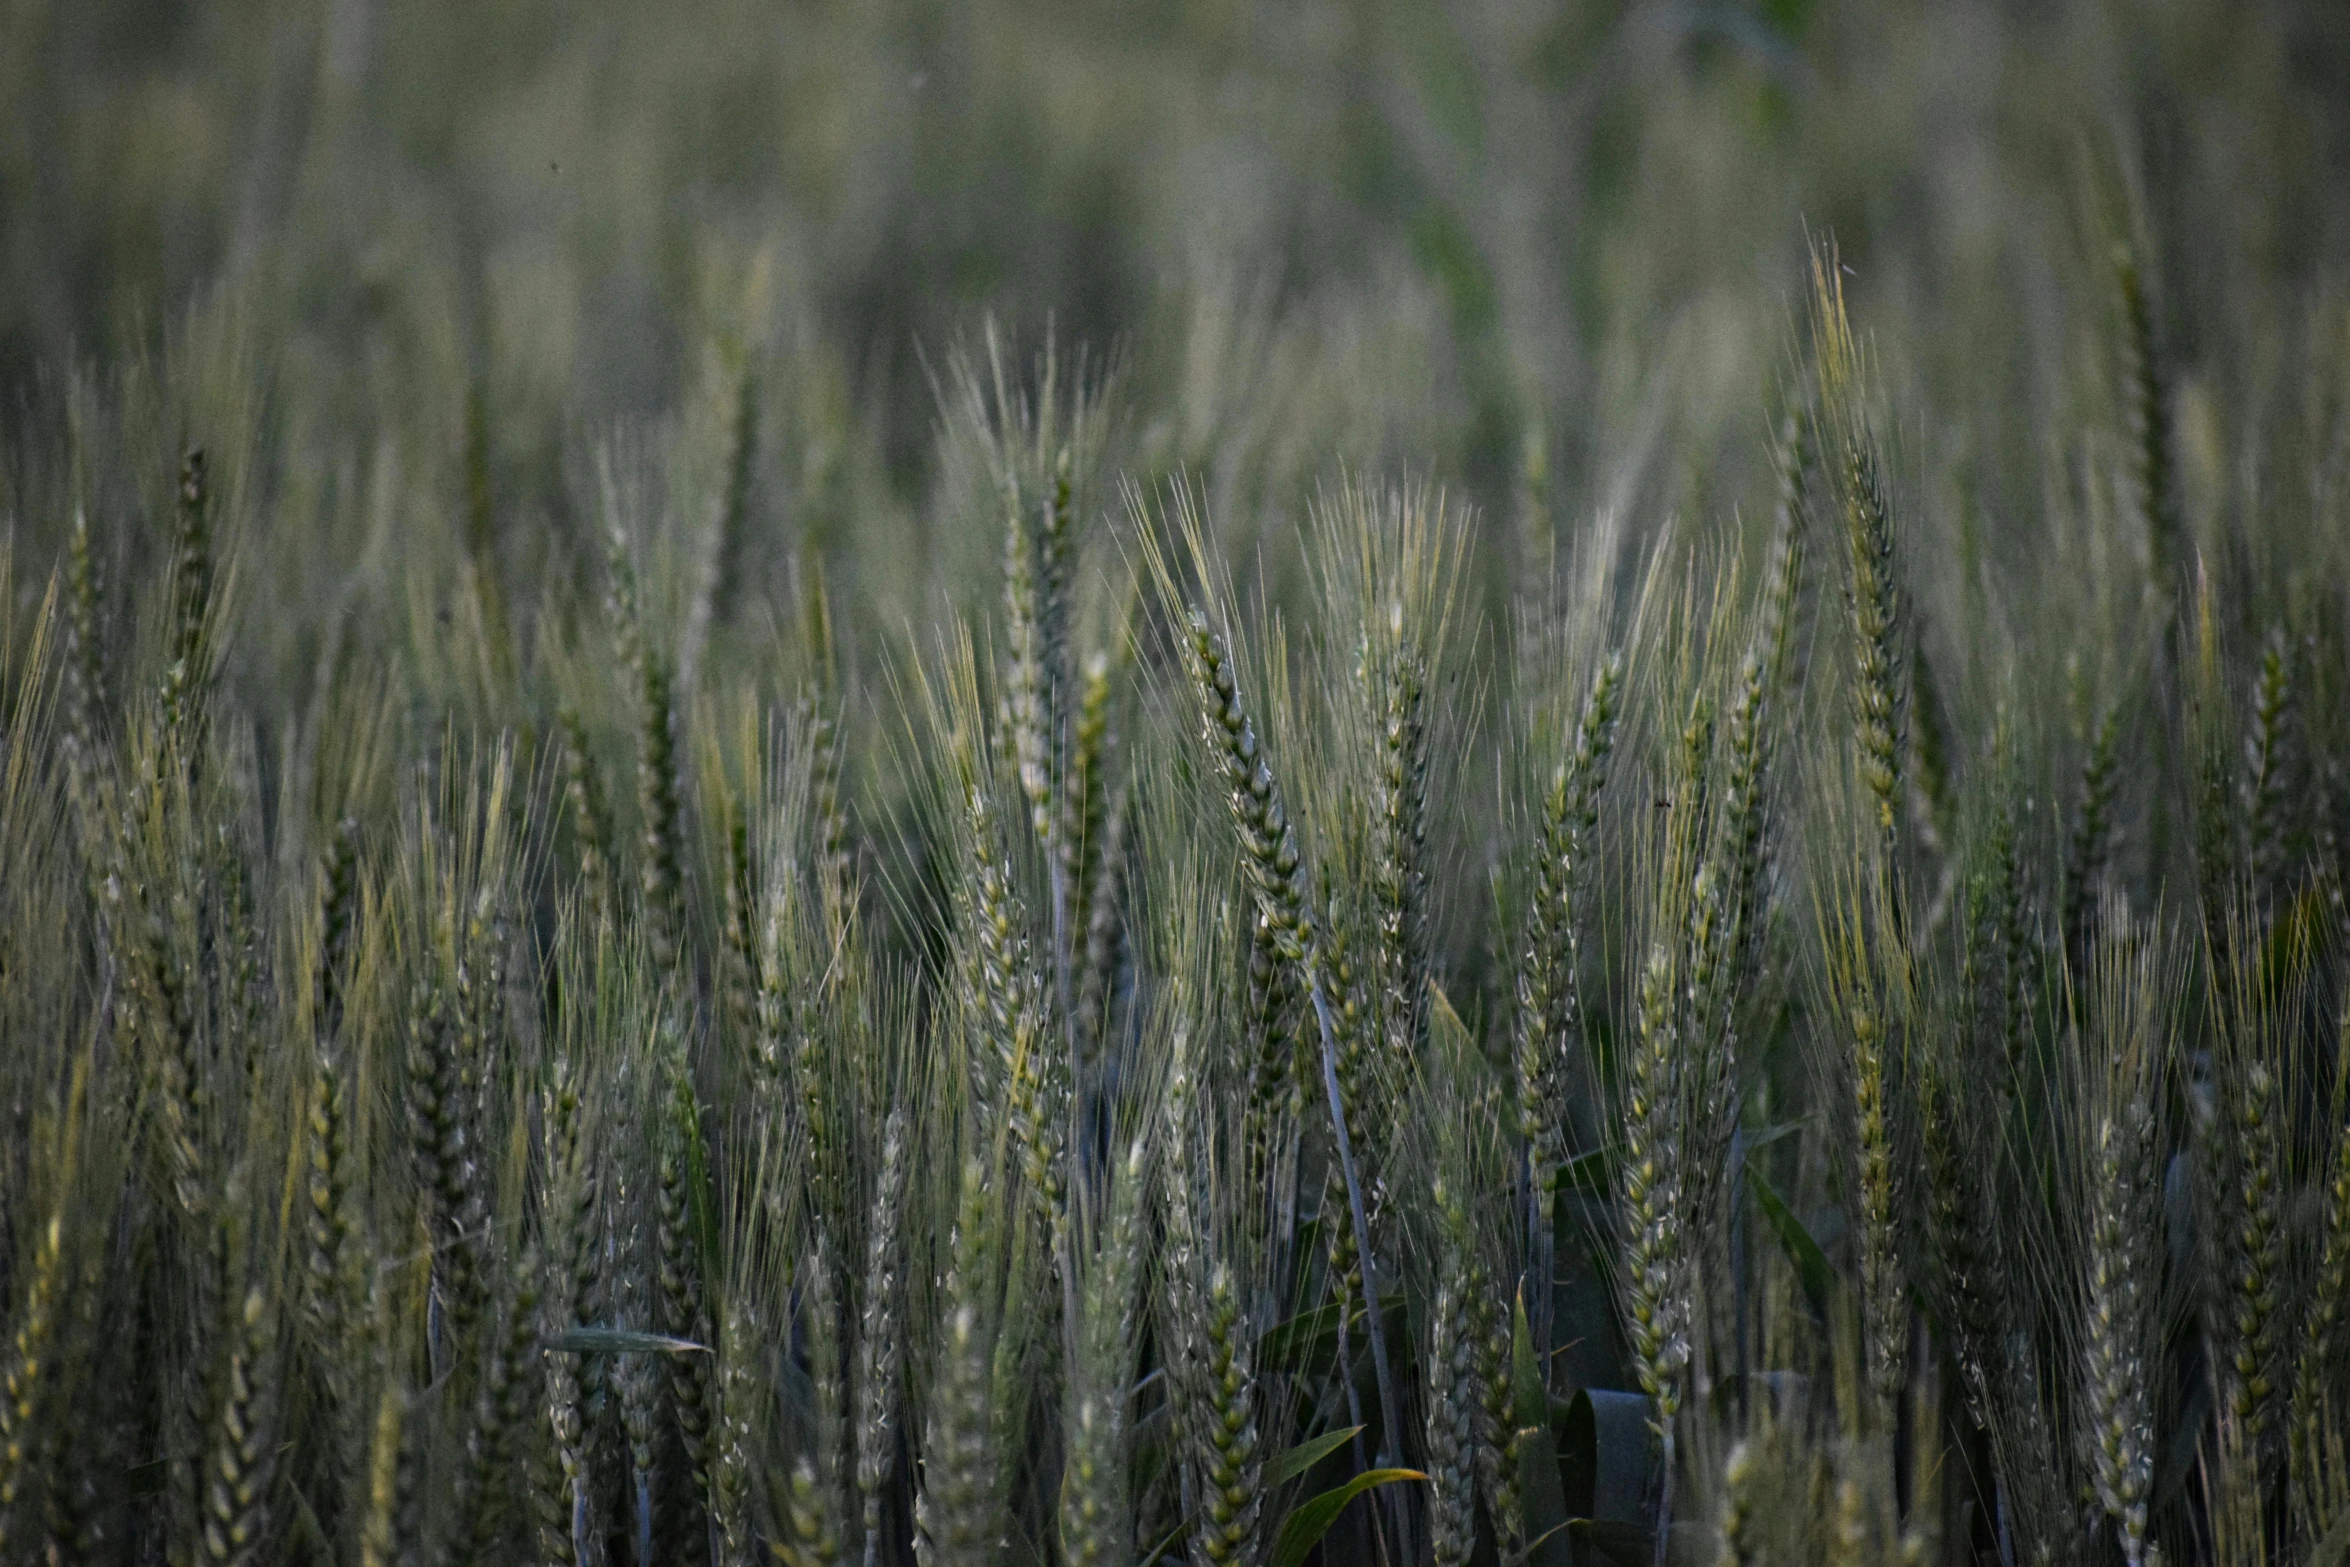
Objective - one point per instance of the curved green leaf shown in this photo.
(1313, 1517)
(1811, 1263)
(619, 1341)
(1299, 1459)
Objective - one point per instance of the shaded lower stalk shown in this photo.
(1389, 1410)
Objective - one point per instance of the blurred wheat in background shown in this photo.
(863, 782)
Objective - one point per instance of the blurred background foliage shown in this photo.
(1382, 232)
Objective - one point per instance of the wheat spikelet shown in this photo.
(2257, 1280)
(191, 598)
(381, 1544)
(2090, 841)
(730, 527)
(1500, 1439)
(573, 1277)
(660, 806)
(1273, 1114)
(810, 1540)
(1872, 595)
(1966, 1274)
(879, 1345)
(2147, 421)
(740, 981)
(2268, 773)
(442, 1142)
(1882, 1282)
(1727, 890)
(739, 1393)
(2120, 1417)
(1086, 800)
(2127, 1042)
(1399, 830)
(1029, 718)
(332, 1228)
(681, 1303)
(511, 1390)
(1656, 1286)
(956, 1515)
(2244, 1169)
(1096, 1502)
(828, 1368)
(2319, 1366)
(29, 1359)
(338, 910)
(1104, 932)
(244, 1448)
(563, 1504)
(158, 1010)
(391, 1529)
(835, 863)
(1451, 1434)
(1208, 1361)
(1024, 1076)
(1740, 1478)
(85, 662)
(1225, 1421)
(86, 1459)
(1357, 1060)
(1278, 878)
(591, 829)
(2117, 1314)
(1866, 984)
(1546, 983)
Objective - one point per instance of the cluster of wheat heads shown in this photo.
(1147, 1077)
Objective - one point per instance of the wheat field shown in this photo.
(1041, 782)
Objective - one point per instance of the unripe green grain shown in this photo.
(879, 1344)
